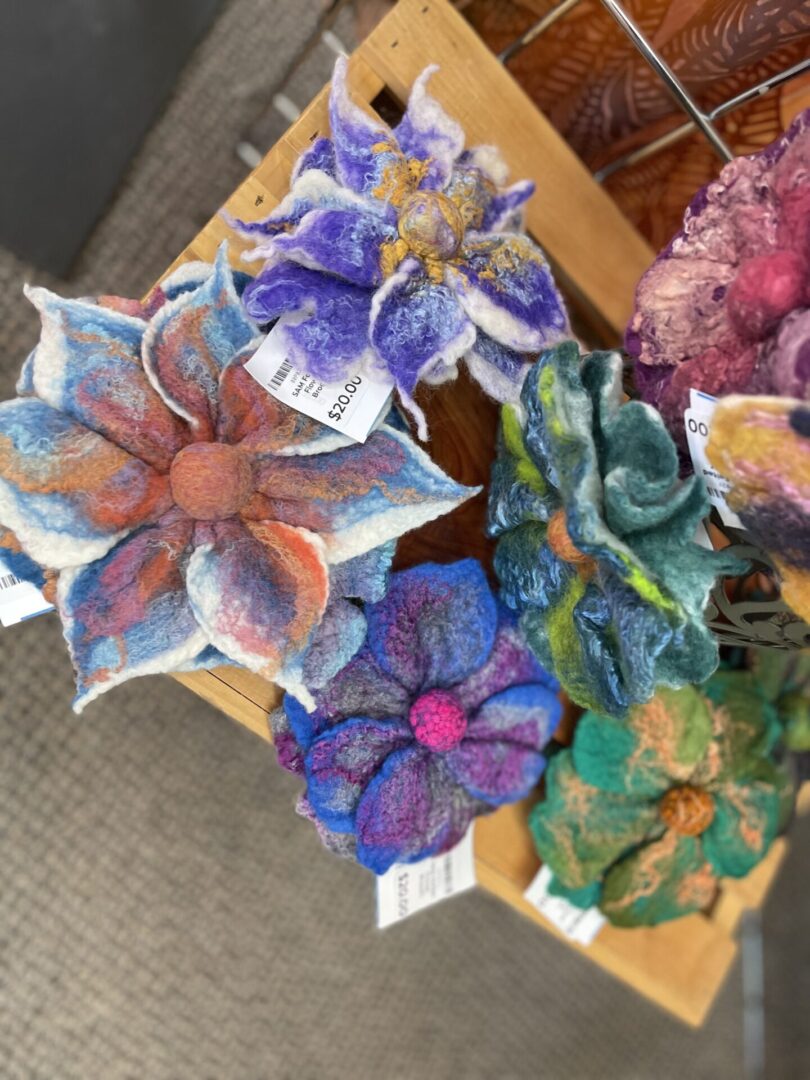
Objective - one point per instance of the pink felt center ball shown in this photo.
(211, 480)
(438, 720)
(765, 289)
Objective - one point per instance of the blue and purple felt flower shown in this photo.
(396, 251)
(441, 715)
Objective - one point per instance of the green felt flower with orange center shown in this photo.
(643, 815)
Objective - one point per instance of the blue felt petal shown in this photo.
(504, 211)
(436, 625)
(23, 567)
(426, 133)
(319, 155)
(343, 242)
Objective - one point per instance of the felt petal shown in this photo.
(499, 758)
(411, 808)
(342, 242)
(505, 209)
(88, 365)
(189, 342)
(497, 370)
(342, 761)
(656, 746)
(427, 134)
(318, 155)
(504, 284)
(367, 156)
(436, 625)
(366, 576)
(127, 614)
(342, 844)
(745, 727)
(417, 326)
(341, 632)
(332, 334)
(511, 663)
(67, 493)
(259, 590)
(258, 423)
(579, 831)
(358, 497)
(746, 821)
(14, 560)
(662, 880)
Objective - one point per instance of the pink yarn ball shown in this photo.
(438, 720)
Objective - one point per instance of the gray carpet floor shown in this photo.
(165, 914)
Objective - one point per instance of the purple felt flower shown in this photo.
(396, 251)
(441, 715)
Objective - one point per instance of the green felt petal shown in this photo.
(586, 897)
(745, 727)
(658, 745)
(747, 817)
(660, 881)
(579, 831)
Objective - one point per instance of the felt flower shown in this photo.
(441, 715)
(395, 251)
(642, 816)
(761, 445)
(596, 533)
(724, 308)
(190, 515)
(783, 675)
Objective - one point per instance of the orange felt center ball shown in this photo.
(687, 810)
(211, 480)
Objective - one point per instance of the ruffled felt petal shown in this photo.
(662, 880)
(88, 365)
(499, 758)
(189, 342)
(341, 633)
(67, 493)
(411, 808)
(366, 576)
(319, 155)
(497, 370)
(746, 820)
(436, 625)
(367, 156)
(332, 334)
(504, 284)
(579, 831)
(510, 663)
(342, 844)
(127, 613)
(358, 497)
(427, 134)
(342, 761)
(417, 327)
(505, 209)
(658, 745)
(342, 242)
(259, 590)
(258, 423)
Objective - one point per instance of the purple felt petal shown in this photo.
(342, 761)
(411, 808)
(342, 242)
(504, 212)
(527, 714)
(366, 576)
(496, 772)
(504, 284)
(319, 155)
(428, 134)
(436, 625)
(367, 156)
(497, 370)
(332, 335)
(341, 632)
(510, 663)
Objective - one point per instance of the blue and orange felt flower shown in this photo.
(396, 250)
(191, 517)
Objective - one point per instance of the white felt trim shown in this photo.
(205, 605)
(490, 161)
(50, 546)
(393, 522)
(493, 381)
(340, 102)
(195, 271)
(170, 660)
(493, 319)
(511, 219)
(443, 135)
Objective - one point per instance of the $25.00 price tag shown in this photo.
(352, 406)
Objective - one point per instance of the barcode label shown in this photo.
(697, 420)
(281, 374)
(19, 600)
(7, 580)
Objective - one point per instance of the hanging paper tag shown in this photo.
(409, 887)
(353, 405)
(577, 924)
(698, 420)
(19, 600)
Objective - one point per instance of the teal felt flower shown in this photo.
(596, 535)
(643, 815)
(784, 676)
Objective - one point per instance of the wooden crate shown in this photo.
(598, 257)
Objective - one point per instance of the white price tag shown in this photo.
(410, 887)
(698, 418)
(578, 924)
(19, 600)
(353, 406)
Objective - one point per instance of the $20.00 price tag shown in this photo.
(409, 887)
(352, 406)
